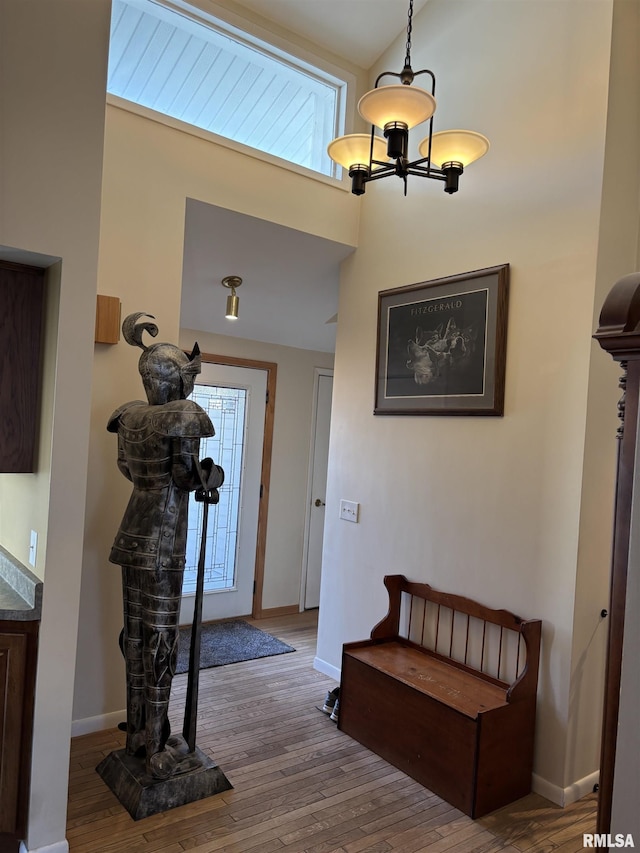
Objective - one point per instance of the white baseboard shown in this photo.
(58, 847)
(581, 787)
(564, 796)
(326, 669)
(97, 724)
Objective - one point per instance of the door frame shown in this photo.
(317, 373)
(271, 369)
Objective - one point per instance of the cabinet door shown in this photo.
(22, 300)
(13, 659)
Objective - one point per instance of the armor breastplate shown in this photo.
(148, 453)
(153, 531)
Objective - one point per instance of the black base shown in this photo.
(143, 796)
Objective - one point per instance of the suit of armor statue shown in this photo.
(158, 450)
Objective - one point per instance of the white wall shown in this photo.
(485, 506)
(149, 172)
(52, 81)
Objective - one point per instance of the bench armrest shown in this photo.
(526, 685)
(390, 625)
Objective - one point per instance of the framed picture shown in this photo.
(442, 345)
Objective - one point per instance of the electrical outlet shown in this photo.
(349, 511)
(33, 547)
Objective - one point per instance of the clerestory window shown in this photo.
(172, 58)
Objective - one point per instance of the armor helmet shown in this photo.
(167, 372)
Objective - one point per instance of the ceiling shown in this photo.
(289, 293)
(358, 30)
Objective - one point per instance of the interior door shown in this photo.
(234, 397)
(320, 453)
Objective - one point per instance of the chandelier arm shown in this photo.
(402, 75)
(388, 169)
(371, 160)
(387, 74)
(431, 74)
(380, 173)
(421, 172)
(427, 170)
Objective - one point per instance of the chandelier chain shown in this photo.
(409, 28)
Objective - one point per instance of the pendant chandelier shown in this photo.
(395, 109)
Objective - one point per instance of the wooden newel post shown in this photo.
(619, 334)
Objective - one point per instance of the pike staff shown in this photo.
(207, 495)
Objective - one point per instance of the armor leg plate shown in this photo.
(160, 602)
(132, 651)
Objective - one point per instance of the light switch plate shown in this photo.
(349, 511)
(33, 547)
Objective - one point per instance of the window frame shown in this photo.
(273, 46)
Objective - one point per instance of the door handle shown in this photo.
(318, 502)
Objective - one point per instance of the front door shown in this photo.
(234, 398)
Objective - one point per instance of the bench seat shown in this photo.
(463, 691)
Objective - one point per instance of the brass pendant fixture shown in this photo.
(232, 282)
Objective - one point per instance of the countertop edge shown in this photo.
(21, 598)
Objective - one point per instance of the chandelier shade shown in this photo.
(400, 104)
(353, 151)
(454, 146)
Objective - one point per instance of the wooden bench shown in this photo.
(445, 690)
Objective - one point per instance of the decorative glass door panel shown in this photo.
(234, 399)
(227, 409)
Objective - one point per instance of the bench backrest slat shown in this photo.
(466, 642)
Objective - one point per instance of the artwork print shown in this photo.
(441, 346)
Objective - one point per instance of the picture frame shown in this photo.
(441, 345)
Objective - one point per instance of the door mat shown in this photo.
(222, 643)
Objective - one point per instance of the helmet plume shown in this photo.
(132, 330)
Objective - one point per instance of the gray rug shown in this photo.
(229, 642)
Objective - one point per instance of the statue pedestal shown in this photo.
(143, 796)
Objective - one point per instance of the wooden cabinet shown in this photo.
(22, 301)
(18, 645)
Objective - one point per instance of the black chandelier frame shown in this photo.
(397, 135)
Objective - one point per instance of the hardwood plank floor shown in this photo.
(300, 785)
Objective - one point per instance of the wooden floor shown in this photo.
(300, 785)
